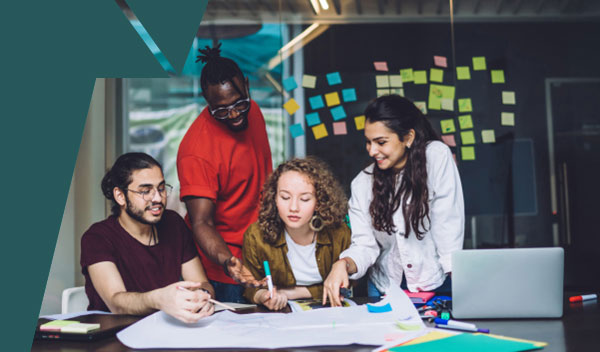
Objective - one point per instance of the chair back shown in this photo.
(74, 299)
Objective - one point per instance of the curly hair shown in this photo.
(332, 203)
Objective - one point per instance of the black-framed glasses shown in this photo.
(148, 194)
(240, 106)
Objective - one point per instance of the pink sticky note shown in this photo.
(440, 61)
(340, 127)
(380, 65)
(449, 140)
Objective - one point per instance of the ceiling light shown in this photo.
(324, 4)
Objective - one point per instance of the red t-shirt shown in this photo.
(143, 268)
(230, 169)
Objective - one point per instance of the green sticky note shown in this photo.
(56, 325)
(441, 91)
(448, 126)
(407, 75)
(420, 77)
(436, 75)
(508, 98)
(479, 63)
(464, 105)
(381, 92)
(463, 72)
(508, 119)
(467, 137)
(467, 153)
(497, 76)
(382, 81)
(465, 122)
(488, 136)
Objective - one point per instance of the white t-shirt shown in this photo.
(303, 261)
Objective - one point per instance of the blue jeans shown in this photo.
(228, 292)
(372, 290)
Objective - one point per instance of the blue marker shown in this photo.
(269, 278)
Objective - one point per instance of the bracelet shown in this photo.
(347, 264)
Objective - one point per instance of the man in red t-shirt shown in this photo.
(222, 163)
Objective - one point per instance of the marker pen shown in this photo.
(583, 298)
(269, 278)
(447, 327)
(459, 324)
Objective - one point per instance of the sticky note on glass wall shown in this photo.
(289, 84)
(420, 77)
(479, 63)
(382, 81)
(381, 92)
(465, 122)
(312, 119)
(440, 61)
(448, 126)
(463, 72)
(407, 74)
(316, 102)
(320, 131)
(447, 104)
(332, 99)
(359, 121)
(339, 128)
(380, 65)
(436, 75)
(497, 76)
(467, 137)
(309, 81)
(349, 95)
(291, 106)
(507, 119)
(488, 136)
(421, 105)
(464, 105)
(338, 113)
(467, 153)
(334, 78)
(296, 130)
(449, 140)
(508, 98)
(396, 81)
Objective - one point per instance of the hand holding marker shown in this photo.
(269, 278)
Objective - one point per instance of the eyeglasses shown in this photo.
(148, 194)
(240, 106)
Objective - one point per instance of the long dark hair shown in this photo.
(400, 115)
(218, 69)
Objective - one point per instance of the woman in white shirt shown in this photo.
(406, 210)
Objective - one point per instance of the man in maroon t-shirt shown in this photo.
(134, 260)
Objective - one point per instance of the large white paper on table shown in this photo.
(319, 327)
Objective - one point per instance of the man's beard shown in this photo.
(138, 214)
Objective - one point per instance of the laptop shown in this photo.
(110, 324)
(508, 283)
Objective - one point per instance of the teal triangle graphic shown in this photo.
(171, 24)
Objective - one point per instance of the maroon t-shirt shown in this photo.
(142, 267)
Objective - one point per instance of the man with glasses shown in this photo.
(222, 163)
(133, 261)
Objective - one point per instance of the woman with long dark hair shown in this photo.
(406, 210)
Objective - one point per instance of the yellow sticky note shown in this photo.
(479, 63)
(422, 106)
(497, 76)
(420, 77)
(320, 131)
(467, 137)
(407, 75)
(463, 72)
(468, 153)
(381, 92)
(447, 104)
(309, 81)
(382, 81)
(465, 122)
(399, 91)
(395, 81)
(448, 126)
(508, 98)
(464, 105)
(488, 136)
(291, 106)
(359, 121)
(436, 75)
(332, 99)
(508, 119)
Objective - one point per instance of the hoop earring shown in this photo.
(316, 223)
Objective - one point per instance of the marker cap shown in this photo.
(267, 270)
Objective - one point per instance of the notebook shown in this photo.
(508, 283)
(110, 324)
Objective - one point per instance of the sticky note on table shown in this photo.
(436, 75)
(508, 98)
(420, 77)
(488, 136)
(291, 106)
(422, 106)
(449, 140)
(320, 131)
(382, 81)
(447, 104)
(463, 72)
(296, 130)
(349, 95)
(316, 102)
(507, 119)
(332, 98)
(467, 137)
(396, 81)
(80, 328)
(359, 121)
(465, 122)
(334, 78)
(381, 92)
(464, 105)
(309, 81)
(467, 153)
(338, 113)
(448, 126)
(380, 65)
(407, 74)
(312, 119)
(289, 84)
(440, 61)
(379, 309)
(497, 76)
(479, 63)
(339, 128)
(56, 325)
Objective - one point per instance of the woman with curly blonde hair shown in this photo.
(300, 232)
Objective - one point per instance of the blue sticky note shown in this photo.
(313, 119)
(296, 130)
(338, 113)
(316, 102)
(289, 84)
(334, 78)
(379, 309)
(349, 94)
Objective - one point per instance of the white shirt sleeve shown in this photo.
(447, 204)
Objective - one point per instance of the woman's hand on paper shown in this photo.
(338, 277)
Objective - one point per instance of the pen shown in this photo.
(447, 327)
(583, 298)
(269, 278)
(459, 324)
(213, 301)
